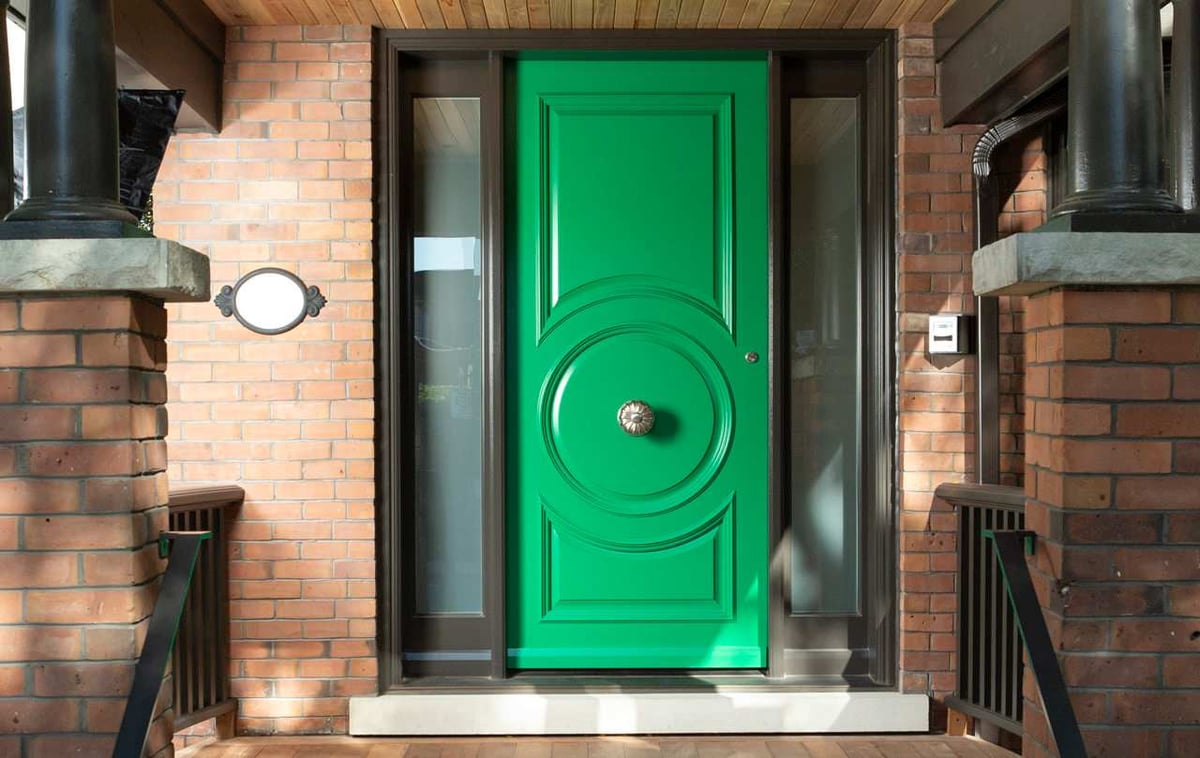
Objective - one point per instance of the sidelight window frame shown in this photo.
(422, 64)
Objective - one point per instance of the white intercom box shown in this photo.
(949, 335)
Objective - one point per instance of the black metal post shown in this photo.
(1115, 157)
(987, 308)
(6, 119)
(1185, 103)
(71, 114)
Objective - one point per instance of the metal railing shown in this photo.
(183, 550)
(1011, 547)
(991, 666)
(201, 654)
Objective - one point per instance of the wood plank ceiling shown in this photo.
(583, 14)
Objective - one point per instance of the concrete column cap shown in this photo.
(148, 266)
(1032, 262)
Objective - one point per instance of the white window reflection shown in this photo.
(16, 68)
(16, 62)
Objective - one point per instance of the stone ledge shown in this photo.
(1024, 264)
(147, 266)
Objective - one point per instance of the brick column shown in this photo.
(1113, 455)
(82, 496)
(83, 485)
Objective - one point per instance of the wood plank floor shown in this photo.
(603, 747)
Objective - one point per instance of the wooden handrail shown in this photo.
(197, 498)
(982, 495)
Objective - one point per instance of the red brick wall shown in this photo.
(1113, 463)
(82, 501)
(1019, 166)
(936, 424)
(1020, 170)
(290, 418)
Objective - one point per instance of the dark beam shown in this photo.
(200, 22)
(1005, 55)
(996, 56)
(959, 19)
(174, 44)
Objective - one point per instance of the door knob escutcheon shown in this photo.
(636, 418)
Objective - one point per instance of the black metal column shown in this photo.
(71, 114)
(1116, 129)
(1185, 103)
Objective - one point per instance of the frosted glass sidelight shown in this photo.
(825, 356)
(447, 337)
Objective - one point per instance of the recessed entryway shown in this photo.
(636, 350)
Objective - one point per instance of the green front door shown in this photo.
(637, 272)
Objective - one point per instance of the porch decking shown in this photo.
(603, 747)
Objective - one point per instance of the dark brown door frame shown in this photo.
(877, 52)
(869, 633)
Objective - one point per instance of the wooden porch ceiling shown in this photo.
(583, 14)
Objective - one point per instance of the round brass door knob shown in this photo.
(636, 418)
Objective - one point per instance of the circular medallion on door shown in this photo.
(667, 465)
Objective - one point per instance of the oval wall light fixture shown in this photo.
(270, 301)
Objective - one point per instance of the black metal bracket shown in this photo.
(1011, 548)
(183, 549)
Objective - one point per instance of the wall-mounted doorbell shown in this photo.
(950, 334)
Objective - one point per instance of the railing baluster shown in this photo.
(184, 639)
(968, 598)
(211, 628)
(987, 654)
(1002, 637)
(220, 571)
(195, 651)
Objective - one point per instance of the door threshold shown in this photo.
(591, 681)
(716, 711)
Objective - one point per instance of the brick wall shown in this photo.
(290, 418)
(1113, 471)
(1020, 170)
(936, 424)
(82, 500)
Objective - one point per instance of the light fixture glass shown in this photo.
(270, 301)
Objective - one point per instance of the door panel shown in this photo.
(638, 271)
